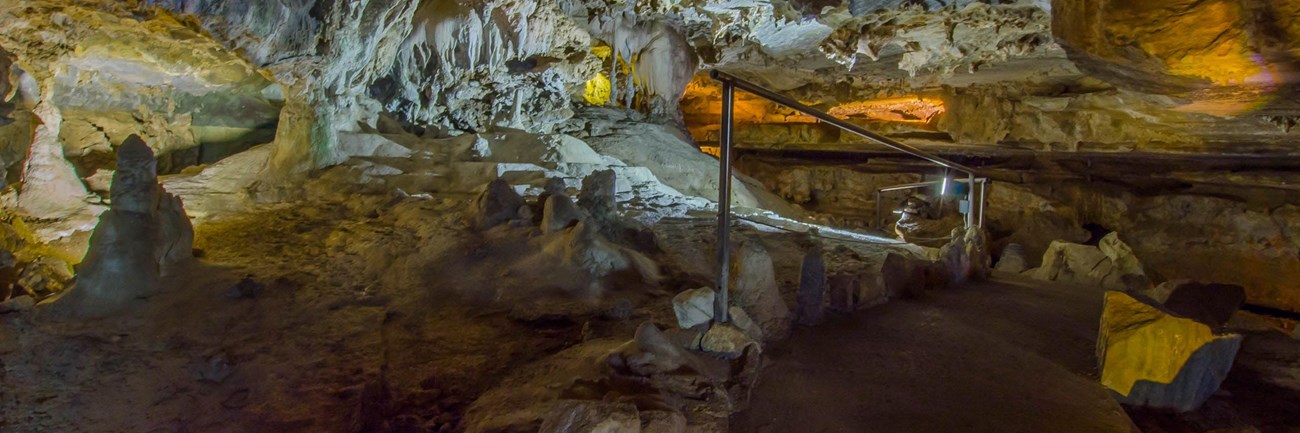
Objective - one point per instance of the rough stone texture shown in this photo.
(584, 416)
(660, 421)
(741, 320)
(1154, 359)
(754, 289)
(842, 288)
(597, 196)
(1208, 303)
(50, 186)
(497, 204)
(726, 340)
(1089, 265)
(652, 352)
(559, 213)
(1181, 236)
(144, 235)
(694, 307)
(965, 257)
(1125, 263)
(1012, 259)
(811, 297)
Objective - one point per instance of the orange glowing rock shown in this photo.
(907, 109)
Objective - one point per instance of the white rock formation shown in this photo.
(142, 237)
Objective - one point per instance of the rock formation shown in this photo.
(497, 204)
(811, 296)
(1114, 268)
(144, 236)
(754, 289)
(1152, 358)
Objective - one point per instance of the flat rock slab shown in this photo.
(991, 357)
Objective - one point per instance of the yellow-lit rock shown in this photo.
(1152, 358)
(597, 90)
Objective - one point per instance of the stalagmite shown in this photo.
(144, 236)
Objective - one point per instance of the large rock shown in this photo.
(1012, 259)
(754, 289)
(144, 235)
(694, 307)
(597, 196)
(811, 296)
(651, 352)
(1152, 358)
(1089, 265)
(1124, 263)
(726, 340)
(1208, 303)
(497, 204)
(965, 257)
(50, 186)
(559, 213)
(585, 416)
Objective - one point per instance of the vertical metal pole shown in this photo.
(970, 199)
(983, 199)
(724, 205)
(880, 216)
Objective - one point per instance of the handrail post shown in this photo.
(983, 199)
(721, 303)
(970, 200)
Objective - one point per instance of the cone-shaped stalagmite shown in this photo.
(140, 238)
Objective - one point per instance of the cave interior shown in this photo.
(667, 216)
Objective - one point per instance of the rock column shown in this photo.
(143, 236)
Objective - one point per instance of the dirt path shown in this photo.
(1003, 356)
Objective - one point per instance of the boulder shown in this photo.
(964, 257)
(1124, 263)
(1152, 358)
(1013, 259)
(694, 307)
(1089, 265)
(1208, 303)
(811, 296)
(553, 186)
(497, 204)
(652, 352)
(43, 277)
(753, 288)
(598, 196)
(888, 275)
(144, 235)
(586, 416)
(726, 340)
(559, 213)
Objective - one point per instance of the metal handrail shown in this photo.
(823, 116)
(729, 84)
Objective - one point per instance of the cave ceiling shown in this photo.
(1170, 76)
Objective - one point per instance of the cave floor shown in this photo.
(1005, 355)
(1008, 355)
